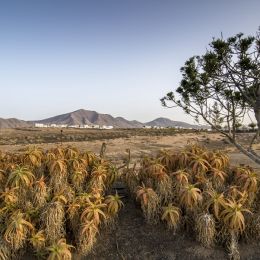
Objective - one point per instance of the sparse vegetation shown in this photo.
(39, 136)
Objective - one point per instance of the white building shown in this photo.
(106, 127)
(86, 126)
(40, 125)
(95, 126)
(74, 126)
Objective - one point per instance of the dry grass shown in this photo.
(205, 229)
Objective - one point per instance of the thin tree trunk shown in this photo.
(257, 108)
(249, 154)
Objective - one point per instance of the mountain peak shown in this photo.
(88, 117)
(82, 117)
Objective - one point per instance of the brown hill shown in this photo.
(13, 123)
(82, 116)
(165, 122)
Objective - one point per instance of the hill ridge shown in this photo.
(90, 117)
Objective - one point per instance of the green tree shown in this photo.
(252, 125)
(226, 79)
(215, 113)
(238, 125)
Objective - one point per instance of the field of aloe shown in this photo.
(55, 203)
(199, 192)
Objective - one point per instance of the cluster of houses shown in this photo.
(163, 127)
(93, 126)
(40, 125)
(153, 127)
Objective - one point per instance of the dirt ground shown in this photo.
(140, 141)
(132, 238)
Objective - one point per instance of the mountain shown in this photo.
(80, 117)
(14, 123)
(87, 117)
(165, 122)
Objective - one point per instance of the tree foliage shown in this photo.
(222, 86)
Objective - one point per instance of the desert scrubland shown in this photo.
(170, 211)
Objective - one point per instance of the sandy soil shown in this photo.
(133, 239)
(143, 145)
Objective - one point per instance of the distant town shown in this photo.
(93, 126)
(241, 128)
(40, 125)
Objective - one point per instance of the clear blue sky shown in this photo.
(113, 56)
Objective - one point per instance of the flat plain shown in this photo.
(139, 141)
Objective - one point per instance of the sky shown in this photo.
(112, 56)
